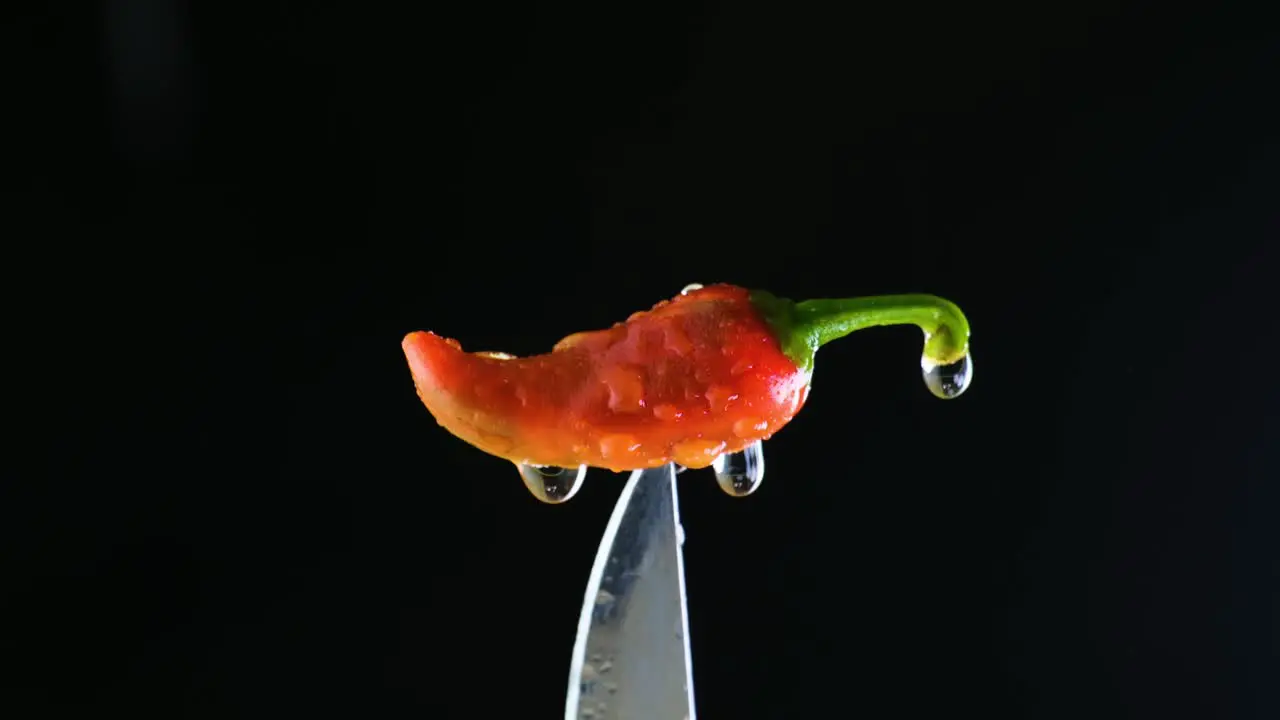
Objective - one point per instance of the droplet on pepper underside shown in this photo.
(552, 485)
(697, 453)
(740, 474)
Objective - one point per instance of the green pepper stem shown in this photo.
(806, 326)
(945, 327)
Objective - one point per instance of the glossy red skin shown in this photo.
(696, 376)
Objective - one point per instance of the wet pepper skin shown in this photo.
(696, 376)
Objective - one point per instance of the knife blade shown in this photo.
(631, 658)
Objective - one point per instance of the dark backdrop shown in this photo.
(223, 499)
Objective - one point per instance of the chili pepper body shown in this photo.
(694, 377)
(708, 372)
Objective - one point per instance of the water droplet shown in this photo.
(618, 447)
(625, 386)
(696, 453)
(748, 426)
(550, 484)
(667, 412)
(740, 473)
(718, 398)
(675, 341)
(690, 288)
(948, 381)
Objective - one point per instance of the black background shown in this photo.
(224, 499)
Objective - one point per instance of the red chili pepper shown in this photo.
(710, 371)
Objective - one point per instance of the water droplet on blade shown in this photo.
(740, 473)
(948, 381)
(550, 484)
(690, 288)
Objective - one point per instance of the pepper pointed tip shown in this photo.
(410, 340)
(428, 353)
(426, 338)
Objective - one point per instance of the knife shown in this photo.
(631, 658)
